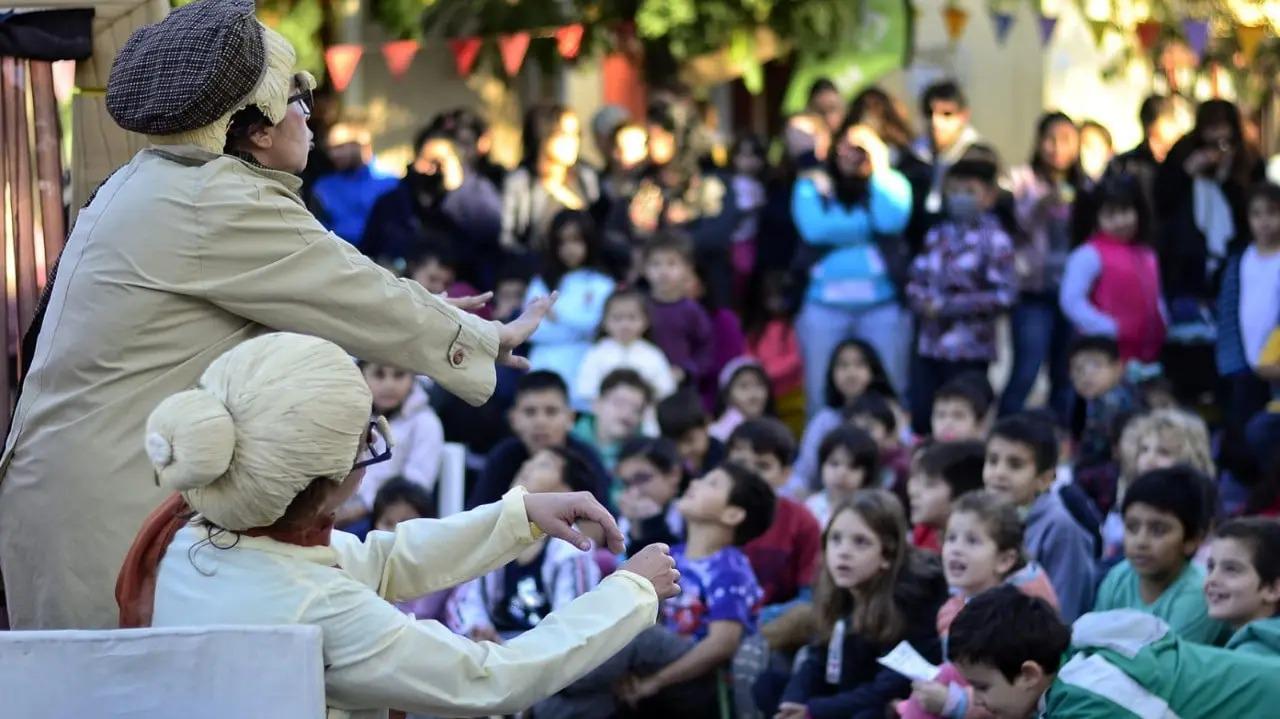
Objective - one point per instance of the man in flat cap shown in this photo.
(197, 244)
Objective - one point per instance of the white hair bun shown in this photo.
(191, 438)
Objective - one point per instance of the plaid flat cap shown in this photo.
(189, 69)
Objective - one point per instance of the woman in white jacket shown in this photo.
(271, 442)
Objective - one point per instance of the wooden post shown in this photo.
(48, 163)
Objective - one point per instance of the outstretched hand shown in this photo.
(471, 302)
(556, 512)
(514, 333)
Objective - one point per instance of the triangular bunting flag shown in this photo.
(399, 55)
(465, 51)
(1047, 26)
(569, 40)
(1250, 36)
(1148, 34)
(1197, 32)
(341, 60)
(956, 18)
(1003, 23)
(1099, 30)
(513, 48)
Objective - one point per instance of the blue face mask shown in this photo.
(963, 207)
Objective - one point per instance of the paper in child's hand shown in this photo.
(905, 660)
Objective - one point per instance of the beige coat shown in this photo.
(375, 656)
(182, 255)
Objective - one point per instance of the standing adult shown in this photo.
(550, 179)
(881, 112)
(844, 216)
(1159, 119)
(343, 198)
(132, 316)
(946, 112)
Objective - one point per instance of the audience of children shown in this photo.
(771, 338)
(1242, 586)
(785, 557)
(1166, 517)
(679, 325)
(672, 670)
(400, 500)
(961, 282)
(682, 420)
(573, 268)
(651, 473)
(876, 416)
(943, 473)
(1022, 454)
(982, 550)
(617, 413)
(962, 408)
(745, 394)
(623, 343)
(1098, 375)
(849, 460)
(874, 591)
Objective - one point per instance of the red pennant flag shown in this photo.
(513, 48)
(1148, 33)
(341, 60)
(465, 51)
(399, 56)
(569, 40)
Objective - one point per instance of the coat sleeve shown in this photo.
(1083, 267)
(261, 255)
(424, 555)
(377, 657)
(889, 197)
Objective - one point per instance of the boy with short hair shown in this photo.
(961, 408)
(541, 419)
(1022, 455)
(679, 325)
(1127, 665)
(683, 420)
(942, 473)
(874, 415)
(786, 556)
(671, 669)
(1097, 372)
(1165, 518)
(961, 282)
(1242, 587)
(434, 265)
(619, 410)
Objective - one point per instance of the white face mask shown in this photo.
(963, 207)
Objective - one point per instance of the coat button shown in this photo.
(458, 357)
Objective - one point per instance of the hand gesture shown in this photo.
(877, 152)
(656, 564)
(556, 512)
(931, 696)
(514, 333)
(466, 304)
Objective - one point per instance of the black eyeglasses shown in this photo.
(377, 448)
(304, 98)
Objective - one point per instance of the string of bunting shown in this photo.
(343, 59)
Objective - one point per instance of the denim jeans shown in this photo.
(1040, 333)
(821, 328)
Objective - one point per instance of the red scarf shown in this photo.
(136, 585)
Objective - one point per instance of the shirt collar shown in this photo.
(322, 555)
(194, 156)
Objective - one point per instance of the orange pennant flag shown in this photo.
(399, 56)
(569, 40)
(341, 60)
(1250, 36)
(465, 51)
(956, 18)
(513, 48)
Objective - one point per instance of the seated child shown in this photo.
(873, 413)
(848, 460)
(1243, 583)
(944, 472)
(671, 670)
(1159, 439)
(874, 592)
(682, 419)
(1125, 664)
(617, 414)
(1022, 453)
(623, 343)
(1166, 516)
(419, 441)
(435, 266)
(650, 473)
(785, 557)
(398, 501)
(745, 393)
(544, 577)
(1097, 373)
(983, 549)
(961, 409)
